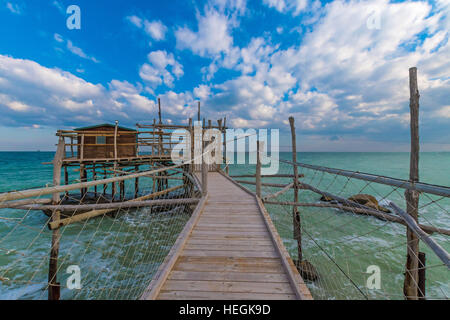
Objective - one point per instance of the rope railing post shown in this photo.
(295, 213)
(411, 282)
(259, 145)
(204, 169)
(53, 285)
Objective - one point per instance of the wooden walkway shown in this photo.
(228, 250)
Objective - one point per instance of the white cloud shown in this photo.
(294, 6)
(212, 36)
(14, 8)
(31, 93)
(58, 37)
(157, 72)
(79, 52)
(155, 29)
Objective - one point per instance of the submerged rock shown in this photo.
(368, 201)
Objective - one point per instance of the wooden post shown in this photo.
(422, 266)
(295, 214)
(411, 283)
(227, 170)
(53, 284)
(71, 147)
(82, 179)
(204, 170)
(115, 140)
(159, 111)
(136, 183)
(82, 148)
(219, 124)
(258, 168)
(122, 190)
(198, 113)
(66, 179)
(94, 177)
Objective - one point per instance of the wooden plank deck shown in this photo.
(228, 250)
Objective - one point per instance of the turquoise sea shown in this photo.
(117, 256)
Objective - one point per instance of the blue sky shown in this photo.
(339, 67)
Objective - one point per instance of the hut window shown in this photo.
(100, 140)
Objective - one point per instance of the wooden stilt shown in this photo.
(295, 213)
(259, 145)
(422, 268)
(136, 183)
(411, 283)
(53, 284)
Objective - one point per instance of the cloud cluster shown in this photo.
(34, 94)
(154, 29)
(156, 72)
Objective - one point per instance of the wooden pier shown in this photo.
(230, 249)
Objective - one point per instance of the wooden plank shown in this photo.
(232, 276)
(230, 267)
(229, 253)
(253, 242)
(163, 271)
(248, 247)
(228, 286)
(204, 295)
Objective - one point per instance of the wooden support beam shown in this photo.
(296, 221)
(259, 147)
(411, 283)
(105, 208)
(159, 111)
(53, 284)
(433, 245)
(363, 211)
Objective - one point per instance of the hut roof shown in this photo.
(104, 125)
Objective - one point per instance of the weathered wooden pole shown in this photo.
(53, 284)
(159, 111)
(227, 170)
(219, 124)
(83, 179)
(422, 266)
(204, 170)
(136, 183)
(198, 112)
(411, 283)
(115, 140)
(66, 179)
(259, 145)
(295, 213)
(94, 177)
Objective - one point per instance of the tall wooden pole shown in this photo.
(259, 145)
(159, 111)
(225, 145)
(295, 213)
(198, 112)
(411, 283)
(204, 169)
(53, 284)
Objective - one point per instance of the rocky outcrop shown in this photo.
(368, 201)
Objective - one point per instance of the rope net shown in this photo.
(116, 252)
(344, 245)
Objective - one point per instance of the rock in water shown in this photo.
(368, 201)
(306, 270)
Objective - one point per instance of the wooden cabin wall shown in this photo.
(92, 151)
